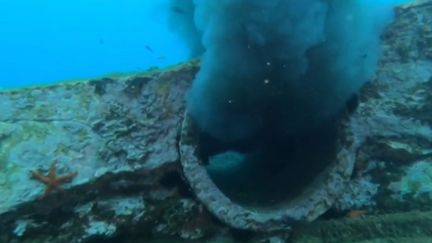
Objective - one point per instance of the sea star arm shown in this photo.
(51, 180)
(52, 174)
(66, 178)
(38, 176)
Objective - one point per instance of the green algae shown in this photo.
(416, 181)
(70, 82)
(397, 227)
(19, 133)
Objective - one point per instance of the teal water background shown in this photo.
(46, 41)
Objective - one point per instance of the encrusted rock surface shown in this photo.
(392, 126)
(121, 135)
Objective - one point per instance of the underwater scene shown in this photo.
(216, 121)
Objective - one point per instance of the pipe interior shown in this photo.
(271, 168)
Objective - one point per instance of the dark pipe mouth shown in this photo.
(273, 194)
(269, 169)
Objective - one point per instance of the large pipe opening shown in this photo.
(269, 182)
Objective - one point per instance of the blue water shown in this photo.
(46, 41)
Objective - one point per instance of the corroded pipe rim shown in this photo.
(313, 202)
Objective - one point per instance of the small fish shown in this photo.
(177, 9)
(149, 48)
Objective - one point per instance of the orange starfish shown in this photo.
(52, 181)
(356, 213)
